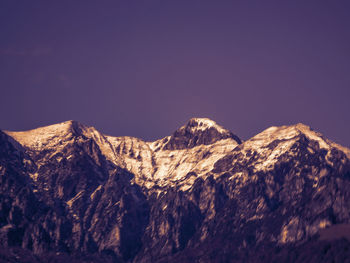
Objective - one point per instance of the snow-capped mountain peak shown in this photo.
(288, 133)
(56, 136)
(198, 131)
(274, 142)
(45, 136)
(202, 124)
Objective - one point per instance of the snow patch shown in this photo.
(204, 124)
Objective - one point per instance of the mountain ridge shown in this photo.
(134, 201)
(202, 123)
(154, 158)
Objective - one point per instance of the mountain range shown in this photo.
(71, 193)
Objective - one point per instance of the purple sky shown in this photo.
(143, 68)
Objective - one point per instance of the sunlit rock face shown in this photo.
(201, 194)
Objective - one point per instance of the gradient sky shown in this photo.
(143, 68)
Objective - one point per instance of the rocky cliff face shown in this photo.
(201, 194)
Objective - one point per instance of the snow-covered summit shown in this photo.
(198, 131)
(202, 124)
(293, 132)
(274, 142)
(52, 135)
(42, 136)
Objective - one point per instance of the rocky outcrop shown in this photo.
(203, 195)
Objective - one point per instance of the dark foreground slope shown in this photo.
(69, 193)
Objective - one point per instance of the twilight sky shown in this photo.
(143, 68)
